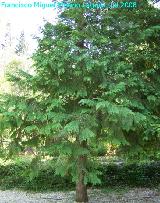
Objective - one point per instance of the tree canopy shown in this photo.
(96, 78)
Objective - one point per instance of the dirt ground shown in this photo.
(137, 195)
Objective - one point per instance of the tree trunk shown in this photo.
(81, 192)
(81, 188)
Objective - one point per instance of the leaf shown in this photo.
(151, 98)
(86, 134)
(72, 127)
(31, 128)
(65, 149)
(92, 177)
(87, 102)
(102, 104)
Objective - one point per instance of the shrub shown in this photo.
(146, 174)
(18, 175)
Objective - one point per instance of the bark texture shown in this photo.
(81, 188)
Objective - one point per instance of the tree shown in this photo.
(95, 79)
(21, 46)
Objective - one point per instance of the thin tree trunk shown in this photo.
(81, 188)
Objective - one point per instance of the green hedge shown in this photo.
(17, 175)
(146, 174)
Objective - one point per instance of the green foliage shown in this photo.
(133, 174)
(21, 46)
(20, 175)
(86, 134)
(96, 79)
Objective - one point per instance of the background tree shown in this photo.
(96, 78)
(21, 47)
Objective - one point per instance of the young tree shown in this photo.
(95, 76)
